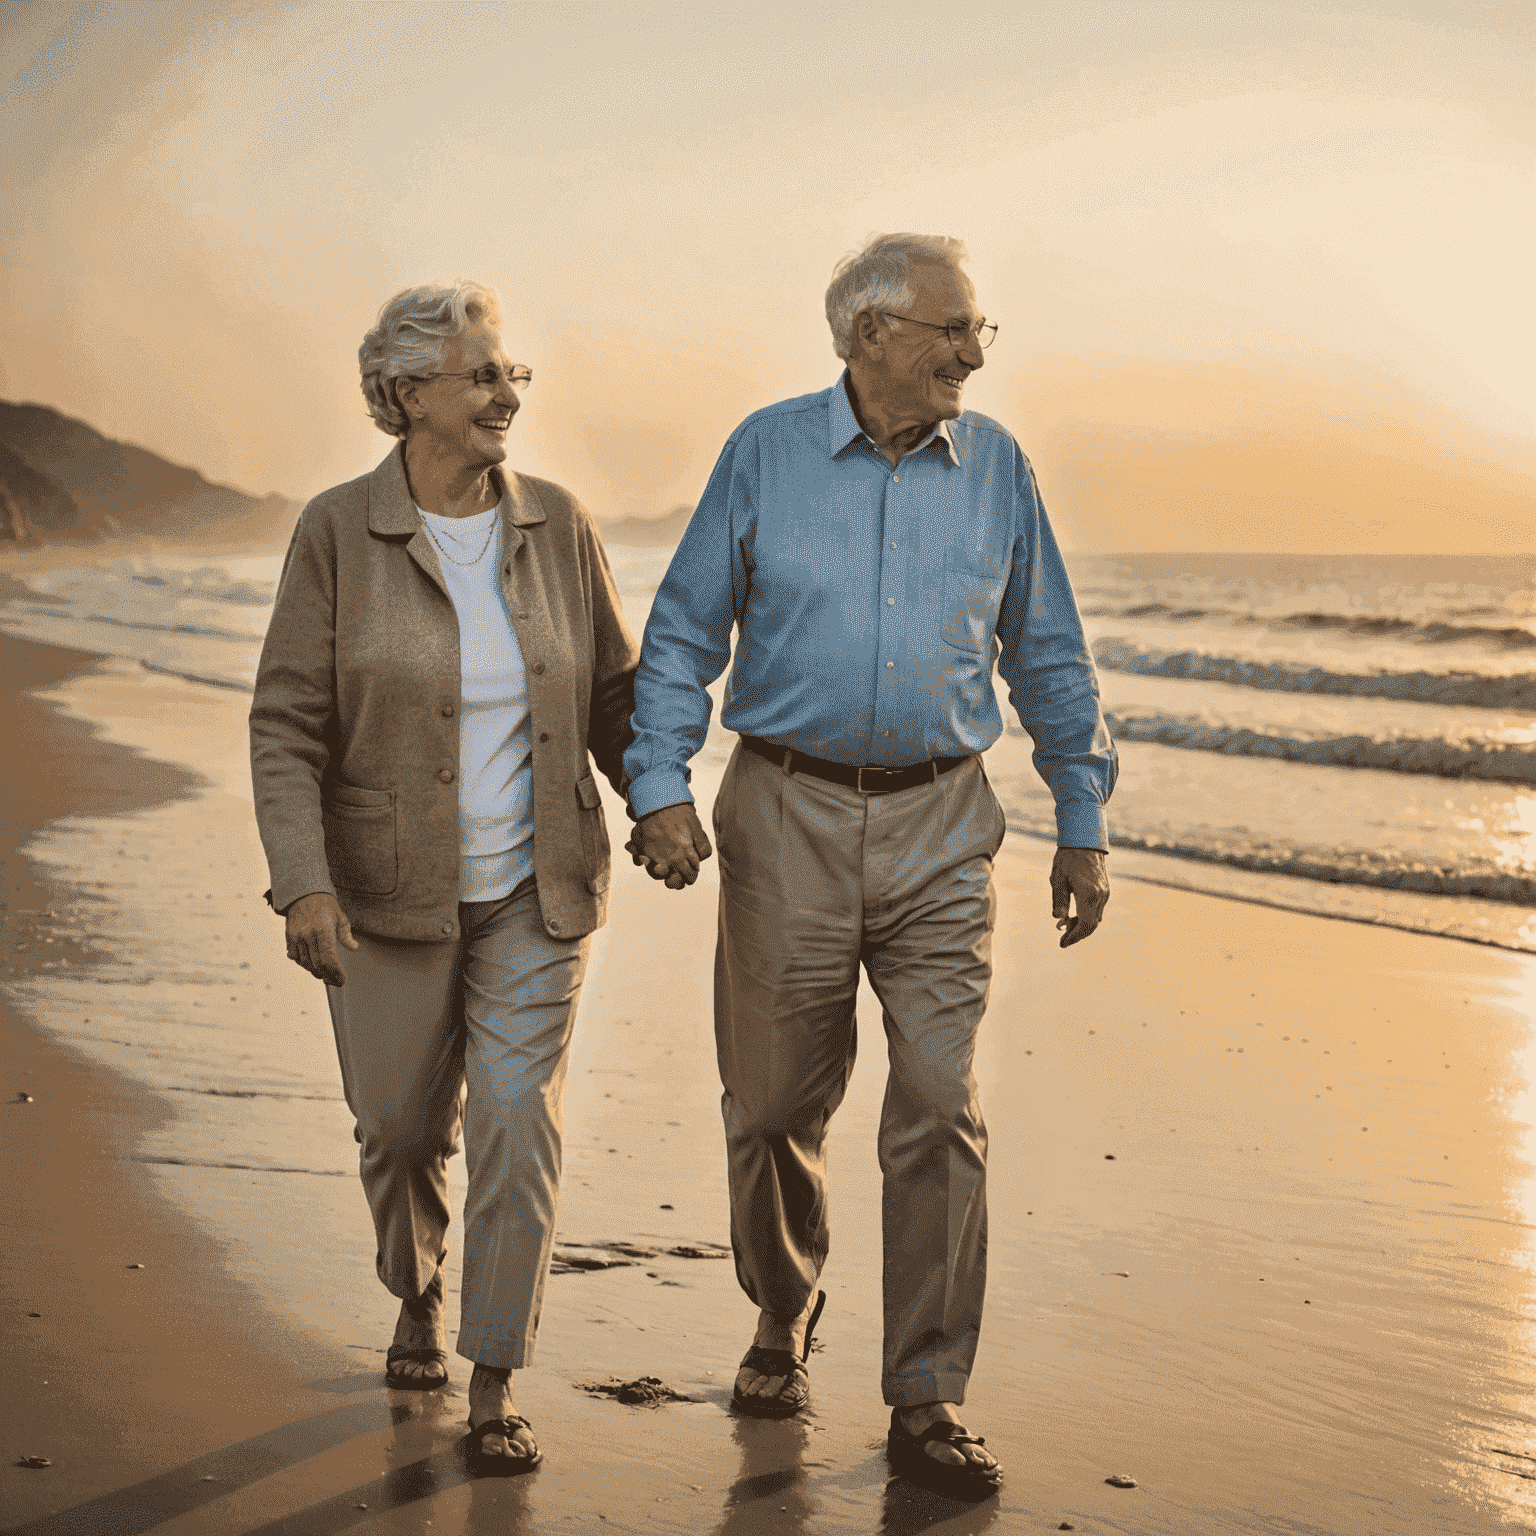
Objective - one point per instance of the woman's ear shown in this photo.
(408, 397)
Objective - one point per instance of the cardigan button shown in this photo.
(447, 927)
(446, 710)
(446, 775)
(554, 927)
(543, 735)
(538, 666)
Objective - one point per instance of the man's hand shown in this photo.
(1080, 873)
(671, 845)
(315, 925)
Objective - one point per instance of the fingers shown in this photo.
(327, 962)
(1090, 911)
(312, 940)
(670, 845)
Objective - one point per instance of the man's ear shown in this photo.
(866, 334)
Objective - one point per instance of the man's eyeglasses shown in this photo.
(487, 377)
(984, 332)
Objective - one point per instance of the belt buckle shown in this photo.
(873, 789)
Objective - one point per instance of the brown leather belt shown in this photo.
(868, 781)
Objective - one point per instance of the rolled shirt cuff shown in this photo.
(658, 788)
(1082, 824)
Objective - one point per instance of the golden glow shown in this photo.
(205, 208)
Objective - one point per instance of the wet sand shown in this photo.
(1261, 1232)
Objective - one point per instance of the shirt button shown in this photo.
(447, 710)
(885, 733)
(447, 927)
(543, 735)
(890, 602)
(895, 479)
(893, 543)
(889, 665)
(446, 775)
(538, 666)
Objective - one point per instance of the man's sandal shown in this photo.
(399, 1354)
(489, 1464)
(910, 1459)
(796, 1391)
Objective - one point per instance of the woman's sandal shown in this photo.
(489, 1464)
(398, 1355)
(796, 1391)
(909, 1459)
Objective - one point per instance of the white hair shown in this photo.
(877, 278)
(408, 339)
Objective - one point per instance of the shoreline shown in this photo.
(205, 1364)
(1145, 1311)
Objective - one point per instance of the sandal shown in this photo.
(796, 1391)
(910, 1459)
(487, 1464)
(398, 1354)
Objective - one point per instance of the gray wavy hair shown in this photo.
(408, 339)
(877, 278)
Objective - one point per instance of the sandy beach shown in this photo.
(1262, 1206)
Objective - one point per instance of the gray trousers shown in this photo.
(815, 881)
(473, 1033)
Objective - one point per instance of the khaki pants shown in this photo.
(815, 881)
(474, 1032)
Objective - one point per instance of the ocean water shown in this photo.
(1347, 735)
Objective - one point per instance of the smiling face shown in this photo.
(920, 374)
(465, 420)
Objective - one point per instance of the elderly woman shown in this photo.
(446, 648)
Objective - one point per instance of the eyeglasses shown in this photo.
(984, 332)
(487, 377)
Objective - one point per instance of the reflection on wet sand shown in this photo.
(771, 1493)
(908, 1511)
(778, 1491)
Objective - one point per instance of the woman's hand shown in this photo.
(315, 924)
(671, 844)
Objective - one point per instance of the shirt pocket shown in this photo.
(972, 594)
(594, 834)
(361, 845)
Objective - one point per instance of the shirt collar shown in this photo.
(844, 428)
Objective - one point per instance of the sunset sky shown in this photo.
(1261, 270)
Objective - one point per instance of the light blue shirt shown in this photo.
(872, 603)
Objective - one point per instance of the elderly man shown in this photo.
(877, 546)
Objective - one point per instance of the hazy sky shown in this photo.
(1250, 262)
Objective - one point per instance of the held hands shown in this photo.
(315, 925)
(671, 844)
(1080, 873)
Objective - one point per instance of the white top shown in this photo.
(495, 739)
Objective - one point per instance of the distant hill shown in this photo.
(647, 531)
(61, 480)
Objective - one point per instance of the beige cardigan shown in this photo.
(355, 724)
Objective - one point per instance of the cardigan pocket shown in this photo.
(361, 846)
(594, 834)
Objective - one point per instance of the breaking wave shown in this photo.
(1338, 866)
(1468, 758)
(1371, 626)
(1480, 690)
